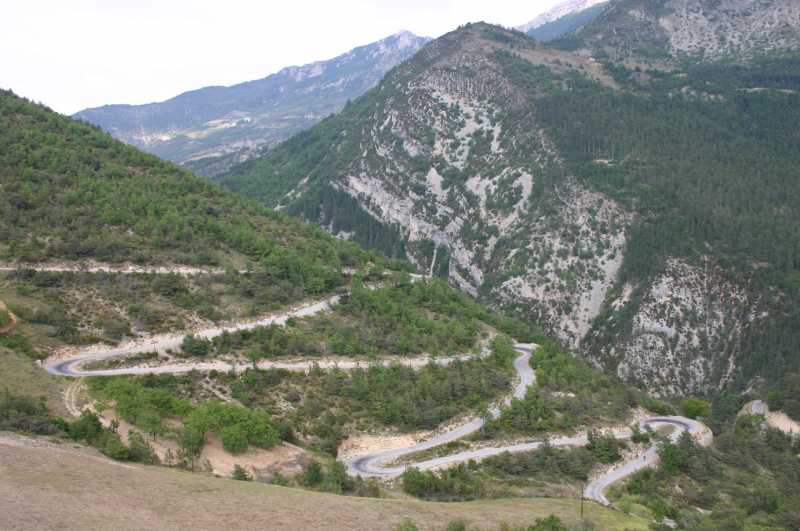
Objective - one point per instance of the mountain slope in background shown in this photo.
(214, 127)
(566, 24)
(560, 11)
(658, 33)
(653, 226)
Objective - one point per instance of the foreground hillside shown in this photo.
(37, 490)
(646, 217)
(212, 128)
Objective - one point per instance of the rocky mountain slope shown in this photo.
(649, 32)
(561, 10)
(446, 151)
(577, 194)
(211, 128)
(563, 19)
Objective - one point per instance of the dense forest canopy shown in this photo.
(713, 173)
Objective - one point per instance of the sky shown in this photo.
(73, 54)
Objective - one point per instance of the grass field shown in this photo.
(20, 375)
(46, 486)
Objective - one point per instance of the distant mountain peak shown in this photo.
(562, 9)
(212, 128)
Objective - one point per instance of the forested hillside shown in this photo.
(72, 192)
(644, 213)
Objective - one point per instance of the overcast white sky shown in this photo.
(72, 54)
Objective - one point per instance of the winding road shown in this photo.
(381, 463)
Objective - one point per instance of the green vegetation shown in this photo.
(333, 478)
(5, 317)
(24, 414)
(569, 393)
(694, 407)
(80, 308)
(545, 471)
(749, 479)
(403, 318)
(318, 409)
(147, 402)
(238, 427)
(71, 191)
(672, 155)
(546, 464)
(21, 376)
(328, 405)
(786, 396)
(456, 483)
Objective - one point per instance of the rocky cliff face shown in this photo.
(472, 155)
(212, 128)
(680, 332)
(449, 151)
(647, 31)
(563, 19)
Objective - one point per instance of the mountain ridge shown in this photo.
(533, 196)
(210, 128)
(559, 11)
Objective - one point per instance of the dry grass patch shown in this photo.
(42, 488)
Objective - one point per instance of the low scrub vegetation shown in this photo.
(569, 394)
(402, 318)
(749, 479)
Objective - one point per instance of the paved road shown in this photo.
(596, 489)
(70, 366)
(376, 464)
(372, 464)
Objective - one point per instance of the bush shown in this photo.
(25, 414)
(234, 438)
(551, 523)
(312, 475)
(604, 446)
(695, 407)
(139, 450)
(240, 474)
(455, 483)
(195, 346)
(87, 427)
(112, 446)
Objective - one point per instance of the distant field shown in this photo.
(49, 486)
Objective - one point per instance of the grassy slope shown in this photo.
(20, 375)
(38, 491)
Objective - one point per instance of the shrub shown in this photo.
(112, 446)
(234, 438)
(240, 474)
(312, 475)
(604, 446)
(695, 407)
